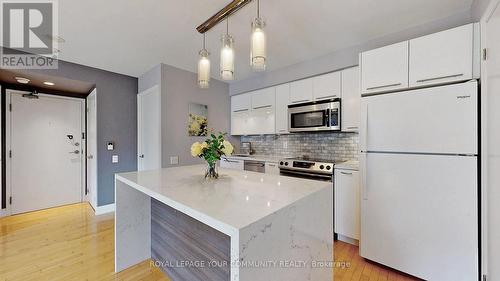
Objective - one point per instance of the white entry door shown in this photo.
(92, 148)
(149, 129)
(46, 152)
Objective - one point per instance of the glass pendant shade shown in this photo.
(204, 69)
(258, 53)
(227, 58)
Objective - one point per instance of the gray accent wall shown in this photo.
(178, 89)
(342, 58)
(116, 121)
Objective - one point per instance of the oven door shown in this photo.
(309, 121)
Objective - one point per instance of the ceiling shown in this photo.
(130, 36)
(63, 86)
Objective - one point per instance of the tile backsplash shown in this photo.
(324, 145)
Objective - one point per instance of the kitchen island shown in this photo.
(242, 226)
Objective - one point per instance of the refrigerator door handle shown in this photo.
(364, 146)
(364, 190)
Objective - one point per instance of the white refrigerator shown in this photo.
(419, 173)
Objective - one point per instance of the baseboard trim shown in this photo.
(4, 213)
(348, 240)
(100, 210)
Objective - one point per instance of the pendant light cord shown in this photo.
(258, 8)
(227, 26)
(204, 41)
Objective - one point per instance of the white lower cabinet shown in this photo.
(347, 204)
(272, 168)
(230, 163)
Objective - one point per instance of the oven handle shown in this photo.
(294, 172)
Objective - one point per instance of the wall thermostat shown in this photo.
(111, 145)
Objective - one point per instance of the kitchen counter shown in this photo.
(348, 165)
(260, 217)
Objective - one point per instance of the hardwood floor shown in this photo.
(70, 243)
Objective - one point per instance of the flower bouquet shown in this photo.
(212, 149)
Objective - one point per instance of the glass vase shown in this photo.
(211, 172)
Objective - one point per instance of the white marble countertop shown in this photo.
(348, 165)
(230, 203)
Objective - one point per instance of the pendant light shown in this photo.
(204, 67)
(258, 43)
(227, 55)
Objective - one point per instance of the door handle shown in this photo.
(297, 101)
(75, 152)
(90, 157)
(326, 97)
(384, 86)
(439, 78)
(264, 106)
(364, 188)
(141, 156)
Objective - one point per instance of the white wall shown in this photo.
(178, 89)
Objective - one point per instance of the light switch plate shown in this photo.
(114, 159)
(174, 160)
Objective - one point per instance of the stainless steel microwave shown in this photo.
(314, 116)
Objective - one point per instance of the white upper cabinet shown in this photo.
(385, 69)
(301, 91)
(442, 57)
(282, 102)
(262, 117)
(327, 86)
(263, 99)
(240, 103)
(351, 99)
(253, 113)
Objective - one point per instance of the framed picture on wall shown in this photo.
(197, 120)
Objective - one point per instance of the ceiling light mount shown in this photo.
(221, 15)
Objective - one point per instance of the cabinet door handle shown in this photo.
(241, 110)
(330, 96)
(264, 106)
(231, 161)
(297, 101)
(439, 78)
(384, 86)
(345, 173)
(352, 128)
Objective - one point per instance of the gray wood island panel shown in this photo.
(186, 249)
